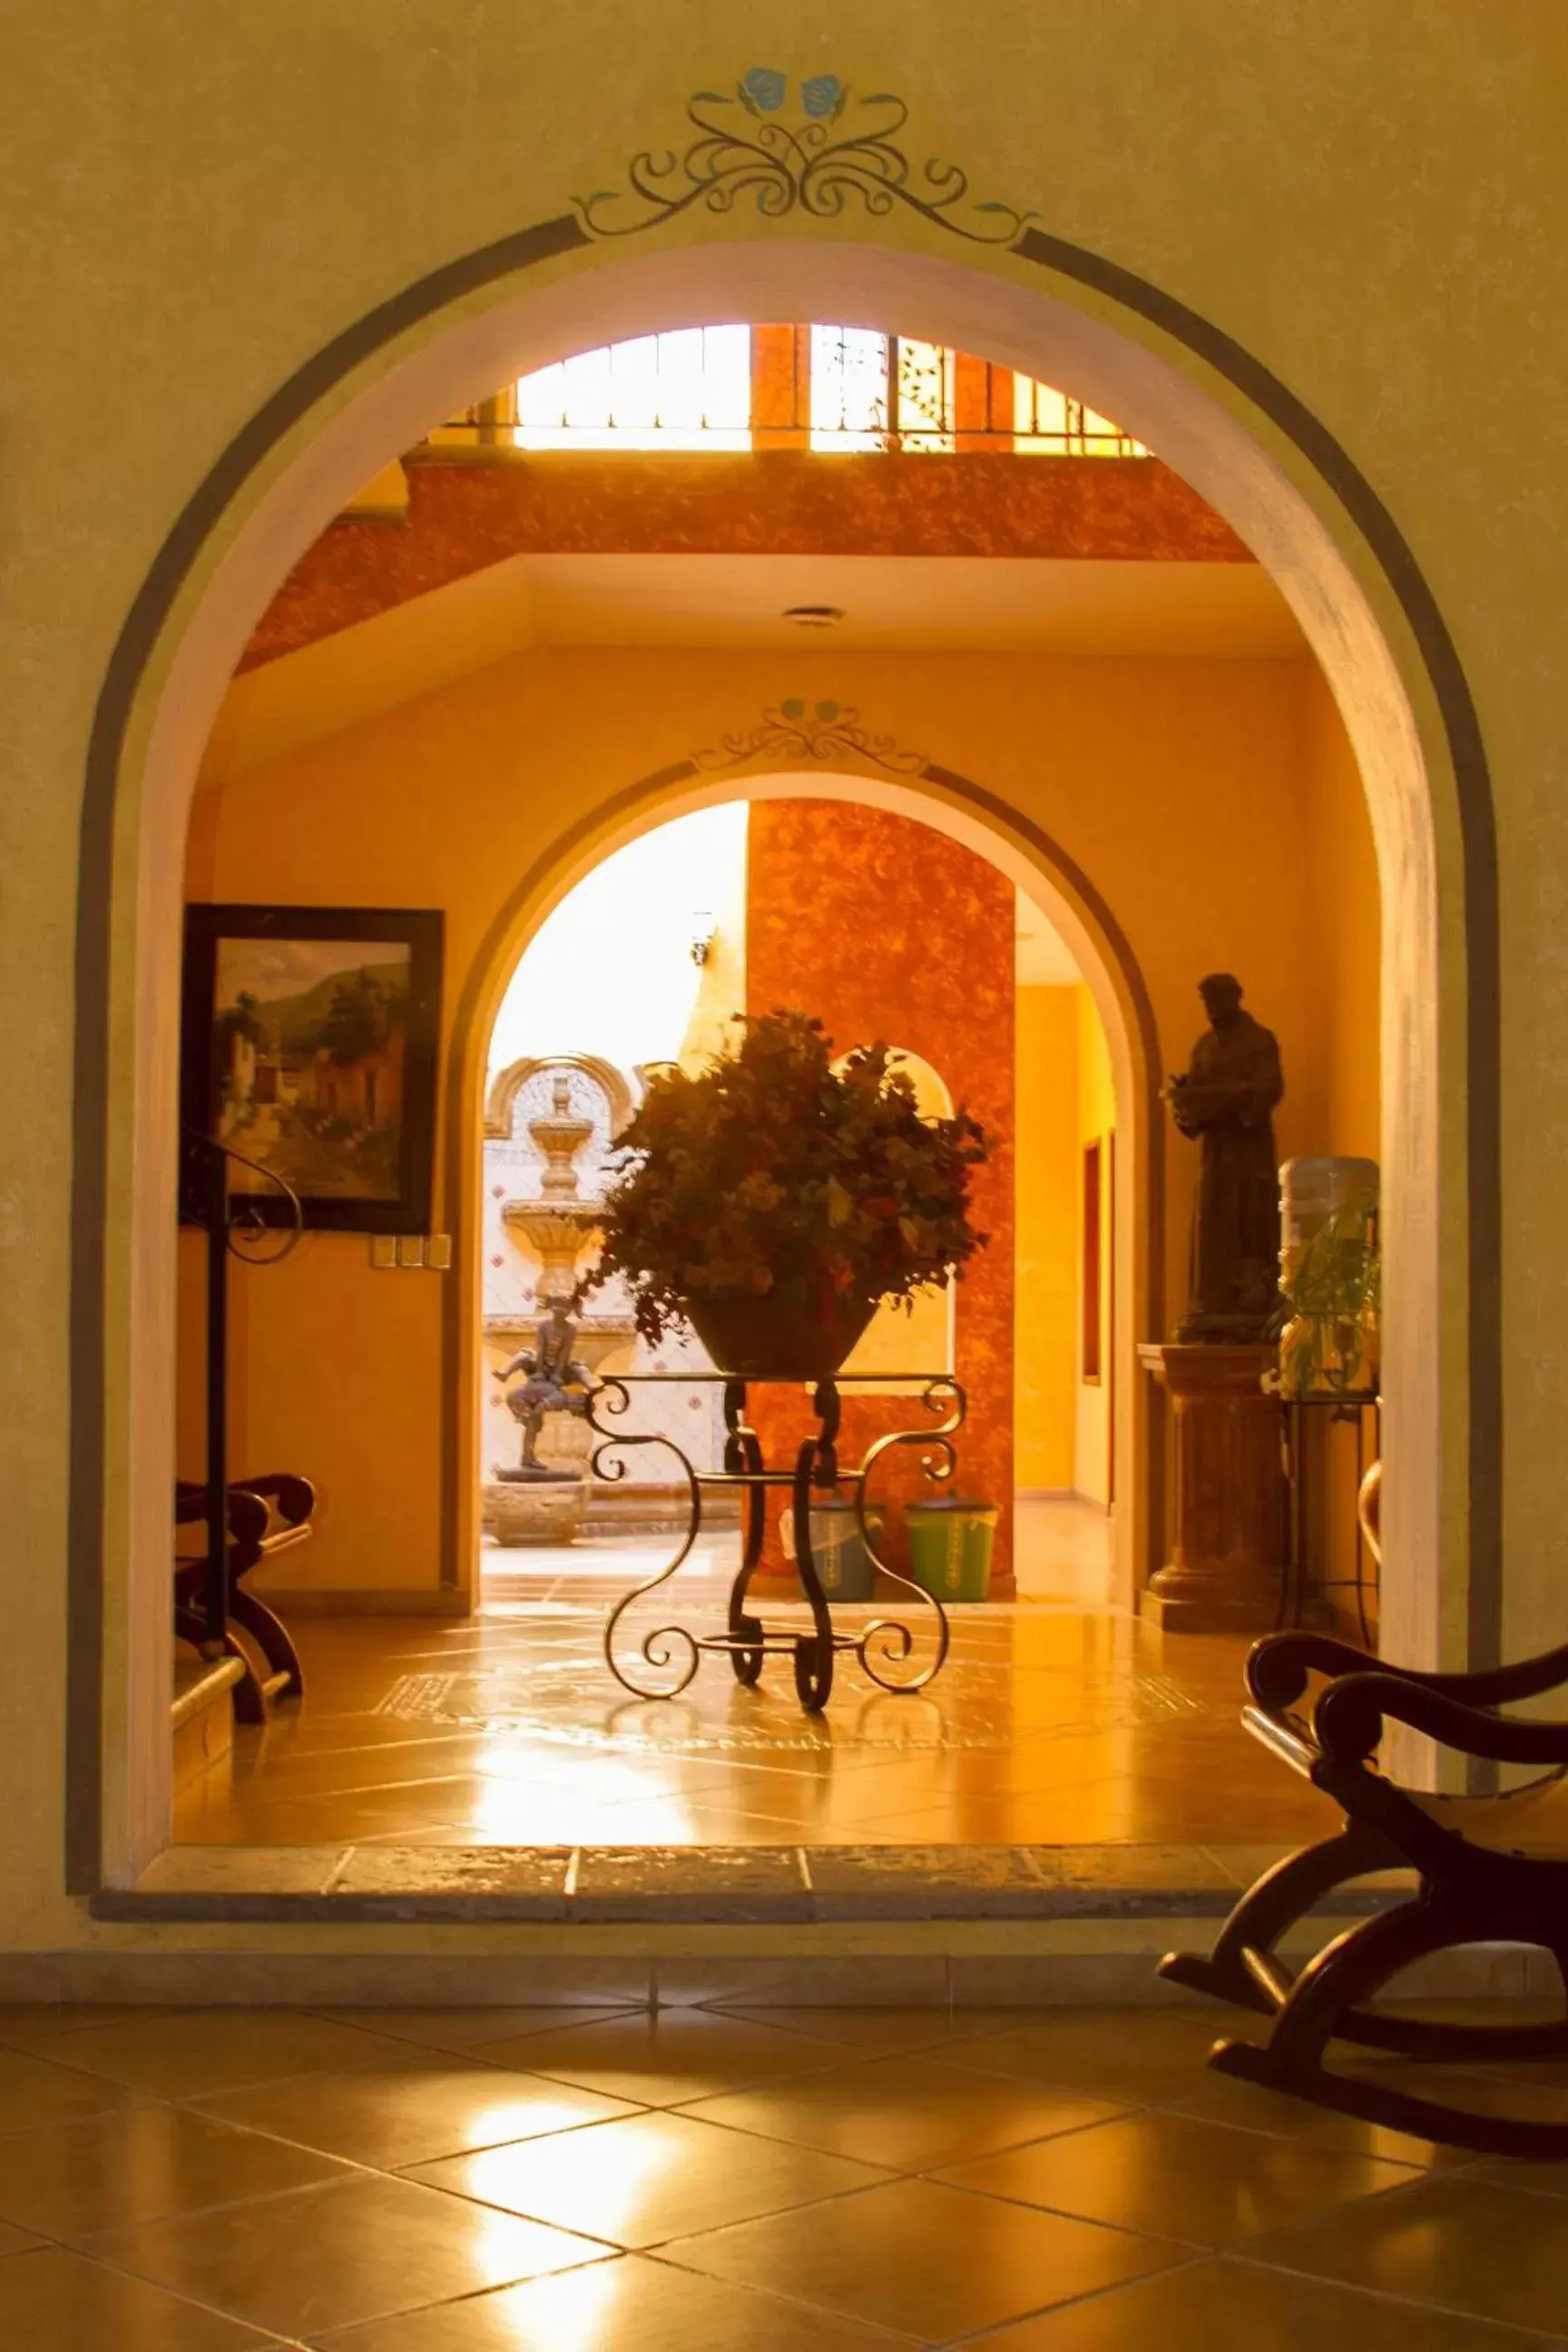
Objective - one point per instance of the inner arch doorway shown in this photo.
(960, 811)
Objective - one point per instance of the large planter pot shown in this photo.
(779, 1335)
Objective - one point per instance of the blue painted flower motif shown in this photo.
(763, 91)
(822, 96)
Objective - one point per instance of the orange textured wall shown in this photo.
(886, 929)
(1046, 1319)
(781, 503)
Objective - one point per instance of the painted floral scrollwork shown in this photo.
(811, 158)
(818, 731)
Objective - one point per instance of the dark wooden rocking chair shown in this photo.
(265, 1516)
(1489, 1869)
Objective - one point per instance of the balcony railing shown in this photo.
(829, 388)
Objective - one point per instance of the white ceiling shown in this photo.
(902, 603)
(891, 604)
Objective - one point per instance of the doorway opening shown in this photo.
(1170, 694)
(551, 866)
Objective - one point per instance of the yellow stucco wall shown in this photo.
(1342, 954)
(196, 200)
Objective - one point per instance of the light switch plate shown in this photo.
(384, 1250)
(411, 1249)
(438, 1252)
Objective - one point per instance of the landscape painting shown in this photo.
(310, 1054)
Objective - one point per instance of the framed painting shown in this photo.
(309, 1049)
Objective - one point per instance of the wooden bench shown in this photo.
(1488, 1869)
(265, 1516)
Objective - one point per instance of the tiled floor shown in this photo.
(806, 2180)
(1052, 1724)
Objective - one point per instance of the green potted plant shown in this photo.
(773, 1199)
(1327, 1323)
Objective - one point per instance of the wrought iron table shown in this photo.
(881, 1646)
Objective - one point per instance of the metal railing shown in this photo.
(829, 389)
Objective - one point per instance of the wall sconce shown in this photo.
(702, 930)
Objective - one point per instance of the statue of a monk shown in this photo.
(1226, 1101)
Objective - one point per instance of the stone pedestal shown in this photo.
(542, 1511)
(1228, 1491)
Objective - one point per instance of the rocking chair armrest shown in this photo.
(292, 1497)
(1279, 1665)
(1348, 1722)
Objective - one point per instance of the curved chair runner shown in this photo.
(1489, 1869)
(266, 1516)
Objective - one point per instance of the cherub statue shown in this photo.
(556, 1383)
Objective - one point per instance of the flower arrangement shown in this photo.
(776, 1190)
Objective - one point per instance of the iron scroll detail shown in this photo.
(668, 1649)
(881, 1647)
(812, 157)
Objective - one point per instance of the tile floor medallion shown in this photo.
(805, 2181)
(1053, 1723)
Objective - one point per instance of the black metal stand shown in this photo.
(205, 1200)
(1352, 1407)
(886, 1642)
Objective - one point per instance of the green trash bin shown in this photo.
(843, 1564)
(950, 1547)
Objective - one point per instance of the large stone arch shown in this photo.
(1051, 310)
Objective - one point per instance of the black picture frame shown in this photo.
(306, 1092)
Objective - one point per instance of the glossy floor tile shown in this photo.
(1463, 2244)
(801, 2181)
(419, 2106)
(662, 2058)
(213, 2050)
(143, 2163)
(56, 2302)
(324, 2258)
(909, 2111)
(1142, 2056)
(1053, 1722)
(627, 2305)
(1213, 2306)
(651, 2178)
(927, 2262)
(34, 2092)
(1207, 2184)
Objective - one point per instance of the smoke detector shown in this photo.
(812, 616)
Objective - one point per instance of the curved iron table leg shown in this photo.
(816, 1466)
(744, 1458)
(666, 1648)
(891, 1639)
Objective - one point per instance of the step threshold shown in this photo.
(687, 1885)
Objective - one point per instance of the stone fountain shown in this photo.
(549, 1505)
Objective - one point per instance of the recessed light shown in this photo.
(812, 616)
